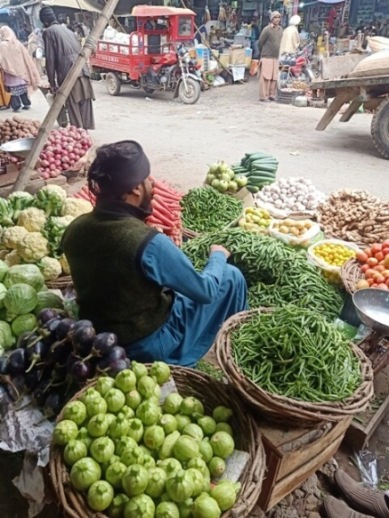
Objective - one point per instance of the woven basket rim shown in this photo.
(350, 274)
(60, 282)
(197, 382)
(275, 404)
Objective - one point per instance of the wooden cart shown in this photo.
(369, 92)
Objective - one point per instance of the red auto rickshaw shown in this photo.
(153, 56)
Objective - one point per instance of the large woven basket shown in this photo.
(351, 273)
(212, 393)
(61, 283)
(285, 410)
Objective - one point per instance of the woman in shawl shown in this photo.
(19, 71)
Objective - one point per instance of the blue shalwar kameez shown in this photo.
(202, 302)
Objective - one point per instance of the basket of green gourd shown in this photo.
(118, 451)
(294, 366)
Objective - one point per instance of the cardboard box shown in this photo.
(293, 455)
(237, 57)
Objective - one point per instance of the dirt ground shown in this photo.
(227, 122)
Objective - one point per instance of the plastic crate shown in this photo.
(284, 97)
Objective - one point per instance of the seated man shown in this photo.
(133, 281)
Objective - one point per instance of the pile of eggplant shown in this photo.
(55, 361)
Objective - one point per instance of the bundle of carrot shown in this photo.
(166, 211)
(85, 194)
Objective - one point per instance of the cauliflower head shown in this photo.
(51, 268)
(75, 207)
(12, 258)
(32, 219)
(32, 247)
(12, 236)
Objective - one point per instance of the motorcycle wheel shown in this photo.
(148, 91)
(192, 95)
(112, 83)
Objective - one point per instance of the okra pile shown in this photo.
(206, 210)
(276, 274)
(296, 353)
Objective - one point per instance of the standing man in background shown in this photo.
(269, 48)
(290, 40)
(62, 49)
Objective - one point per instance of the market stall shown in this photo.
(124, 437)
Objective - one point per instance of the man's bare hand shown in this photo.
(219, 248)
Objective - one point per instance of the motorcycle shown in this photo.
(175, 71)
(296, 67)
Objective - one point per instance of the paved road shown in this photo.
(181, 140)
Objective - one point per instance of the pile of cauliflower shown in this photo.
(32, 228)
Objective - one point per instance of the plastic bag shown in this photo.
(305, 240)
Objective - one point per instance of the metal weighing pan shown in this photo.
(20, 147)
(372, 306)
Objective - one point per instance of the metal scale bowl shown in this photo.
(372, 306)
(20, 147)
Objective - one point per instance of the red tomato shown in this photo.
(386, 242)
(372, 261)
(386, 261)
(379, 268)
(362, 257)
(370, 281)
(369, 274)
(367, 251)
(379, 256)
(385, 273)
(379, 279)
(385, 250)
(387, 282)
(374, 285)
(376, 248)
(364, 267)
(382, 286)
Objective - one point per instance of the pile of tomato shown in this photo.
(374, 262)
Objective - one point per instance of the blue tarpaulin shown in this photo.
(4, 11)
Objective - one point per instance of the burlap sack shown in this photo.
(375, 65)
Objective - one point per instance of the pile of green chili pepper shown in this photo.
(276, 274)
(296, 353)
(205, 210)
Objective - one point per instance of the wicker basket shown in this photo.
(351, 273)
(282, 409)
(212, 393)
(61, 283)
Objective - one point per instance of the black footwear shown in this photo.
(335, 508)
(25, 108)
(361, 498)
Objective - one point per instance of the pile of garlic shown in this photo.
(293, 194)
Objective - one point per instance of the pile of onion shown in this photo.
(63, 149)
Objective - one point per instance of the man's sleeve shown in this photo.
(165, 264)
(50, 58)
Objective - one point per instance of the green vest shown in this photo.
(104, 249)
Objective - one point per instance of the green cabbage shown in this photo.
(3, 291)
(48, 299)
(3, 270)
(20, 299)
(24, 323)
(26, 274)
(6, 337)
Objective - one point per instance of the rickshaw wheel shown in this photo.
(112, 83)
(148, 91)
(192, 95)
(380, 129)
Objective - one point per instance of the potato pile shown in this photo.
(17, 127)
(293, 227)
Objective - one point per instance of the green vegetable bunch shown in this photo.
(54, 229)
(296, 353)
(276, 274)
(135, 457)
(205, 210)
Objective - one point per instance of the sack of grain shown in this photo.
(377, 43)
(375, 65)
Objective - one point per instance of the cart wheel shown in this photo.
(112, 83)
(192, 95)
(148, 91)
(380, 129)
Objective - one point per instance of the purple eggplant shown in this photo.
(64, 327)
(26, 338)
(53, 404)
(33, 378)
(116, 366)
(36, 353)
(82, 340)
(80, 324)
(3, 365)
(41, 392)
(81, 371)
(59, 352)
(45, 315)
(17, 361)
(103, 344)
